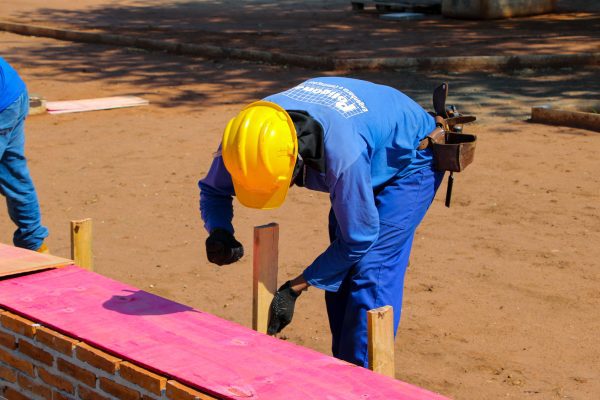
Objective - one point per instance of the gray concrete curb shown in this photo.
(465, 64)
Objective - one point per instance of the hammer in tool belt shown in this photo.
(453, 150)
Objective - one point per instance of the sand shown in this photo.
(502, 294)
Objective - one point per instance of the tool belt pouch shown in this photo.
(454, 151)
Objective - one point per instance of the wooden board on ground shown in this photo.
(575, 119)
(14, 260)
(103, 103)
(218, 357)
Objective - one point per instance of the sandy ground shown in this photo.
(327, 28)
(502, 296)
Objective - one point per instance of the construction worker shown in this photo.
(15, 182)
(357, 141)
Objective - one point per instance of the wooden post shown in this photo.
(381, 340)
(264, 280)
(81, 243)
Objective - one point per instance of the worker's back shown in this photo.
(359, 116)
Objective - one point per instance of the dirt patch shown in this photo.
(320, 28)
(502, 293)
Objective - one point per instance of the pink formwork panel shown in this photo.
(216, 356)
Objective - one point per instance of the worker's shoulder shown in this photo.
(342, 149)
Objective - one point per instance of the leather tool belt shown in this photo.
(452, 151)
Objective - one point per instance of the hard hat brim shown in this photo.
(261, 200)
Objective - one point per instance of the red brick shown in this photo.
(55, 340)
(11, 394)
(18, 324)
(119, 391)
(20, 364)
(7, 374)
(151, 382)
(97, 358)
(7, 340)
(55, 381)
(88, 394)
(35, 352)
(60, 396)
(177, 391)
(74, 371)
(35, 388)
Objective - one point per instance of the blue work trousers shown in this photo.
(378, 278)
(15, 182)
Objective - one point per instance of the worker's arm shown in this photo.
(354, 206)
(216, 196)
(353, 203)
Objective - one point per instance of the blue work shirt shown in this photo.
(371, 133)
(11, 85)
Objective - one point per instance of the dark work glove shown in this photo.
(282, 308)
(222, 248)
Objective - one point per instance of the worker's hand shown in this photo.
(282, 308)
(222, 248)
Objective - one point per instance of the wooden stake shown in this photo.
(381, 340)
(264, 281)
(81, 243)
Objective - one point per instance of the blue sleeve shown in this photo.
(353, 203)
(11, 85)
(216, 197)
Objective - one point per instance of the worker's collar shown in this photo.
(311, 146)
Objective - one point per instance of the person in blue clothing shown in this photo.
(15, 182)
(363, 143)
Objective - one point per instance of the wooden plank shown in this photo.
(381, 340)
(218, 357)
(104, 103)
(81, 243)
(14, 260)
(264, 277)
(575, 119)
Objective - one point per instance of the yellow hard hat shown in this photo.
(259, 150)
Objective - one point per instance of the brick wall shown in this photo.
(39, 363)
